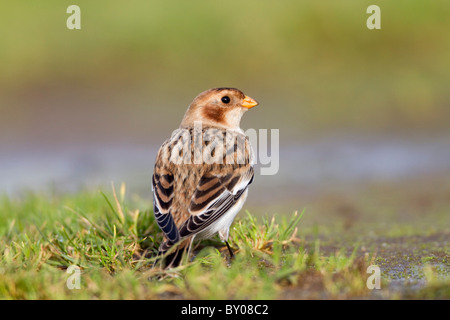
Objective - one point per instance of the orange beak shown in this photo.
(249, 103)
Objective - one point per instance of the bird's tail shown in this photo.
(172, 254)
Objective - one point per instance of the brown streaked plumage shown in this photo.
(201, 176)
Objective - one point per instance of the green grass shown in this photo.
(114, 244)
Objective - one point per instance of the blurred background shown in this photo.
(362, 114)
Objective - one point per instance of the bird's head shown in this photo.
(219, 107)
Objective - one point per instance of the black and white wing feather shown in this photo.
(163, 194)
(214, 196)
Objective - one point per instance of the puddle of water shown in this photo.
(342, 162)
(365, 159)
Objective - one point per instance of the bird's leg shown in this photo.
(229, 249)
(190, 247)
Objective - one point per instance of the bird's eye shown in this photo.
(226, 99)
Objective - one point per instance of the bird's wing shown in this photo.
(215, 194)
(163, 193)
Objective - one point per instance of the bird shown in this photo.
(202, 173)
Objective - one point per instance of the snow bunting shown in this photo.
(202, 172)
